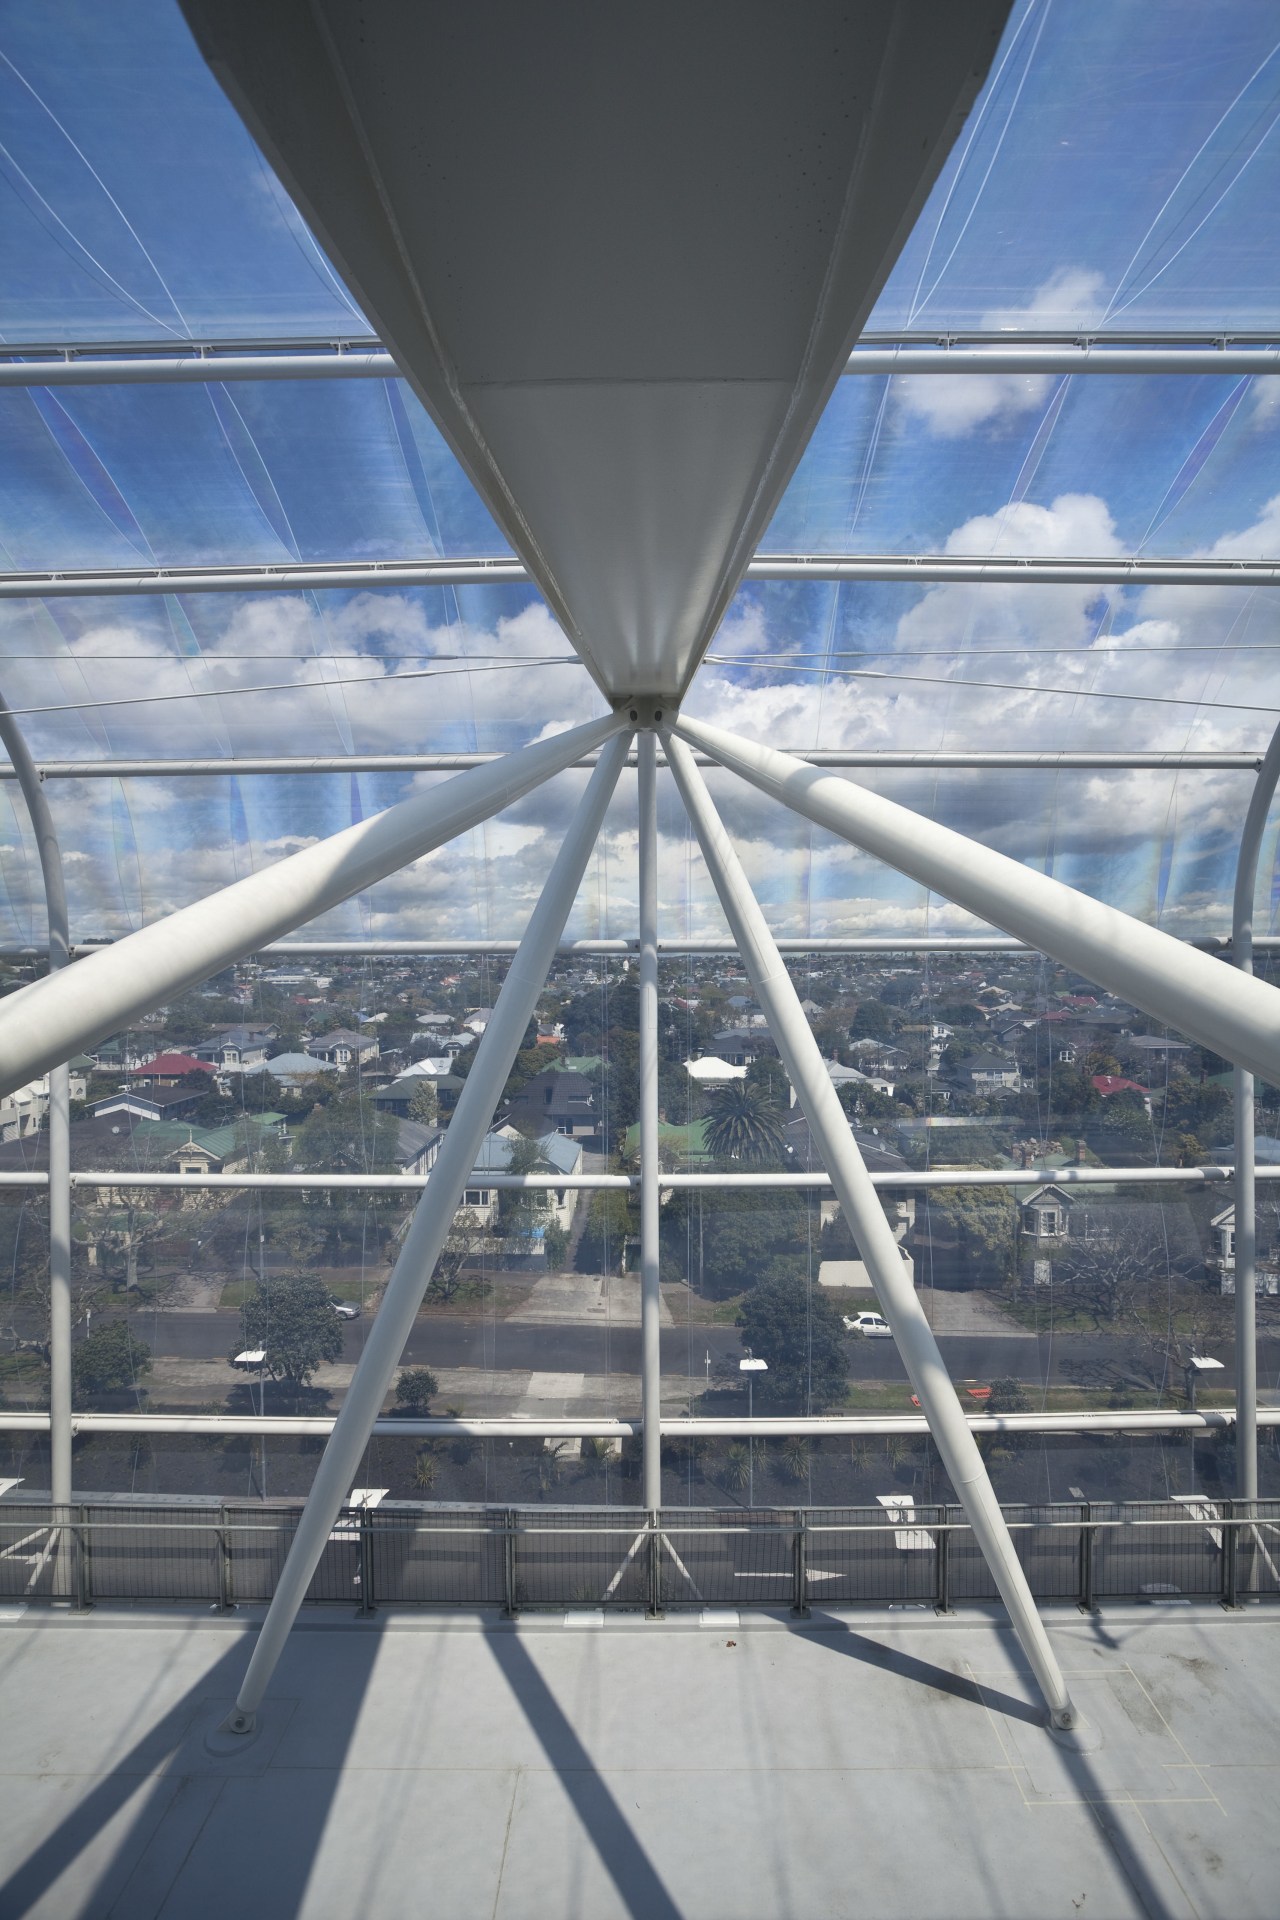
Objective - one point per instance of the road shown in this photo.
(506, 1346)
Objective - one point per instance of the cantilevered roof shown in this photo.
(621, 253)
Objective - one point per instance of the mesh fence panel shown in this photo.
(404, 1554)
(580, 1556)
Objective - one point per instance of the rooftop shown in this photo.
(729, 1764)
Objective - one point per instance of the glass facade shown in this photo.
(1119, 177)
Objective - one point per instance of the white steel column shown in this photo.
(650, 1198)
(394, 1319)
(59, 1136)
(1245, 1196)
(1235, 1015)
(870, 1228)
(50, 1020)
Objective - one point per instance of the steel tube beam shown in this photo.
(906, 1181)
(871, 1231)
(667, 949)
(108, 366)
(53, 1018)
(59, 1136)
(394, 1319)
(947, 759)
(1236, 1016)
(923, 570)
(833, 1426)
(1092, 357)
(1246, 888)
(650, 1197)
(114, 370)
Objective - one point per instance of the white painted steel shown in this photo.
(870, 1228)
(292, 577)
(85, 370)
(650, 1196)
(1092, 357)
(927, 569)
(697, 209)
(625, 945)
(107, 367)
(58, 1131)
(1236, 1016)
(56, 1017)
(931, 569)
(906, 1180)
(1246, 887)
(832, 1426)
(1051, 759)
(393, 1322)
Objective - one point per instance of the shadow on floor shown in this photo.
(146, 1777)
(624, 1859)
(1108, 1811)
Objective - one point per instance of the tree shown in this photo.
(518, 1209)
(795, 1329)
(724, 1243)
(348, 1135)
(745, 1124)
(424, 1102)
(292, 1320)
(415, 1390)
(982, 1223)
(108, 1360)
(610, 1222)
(461, 1243)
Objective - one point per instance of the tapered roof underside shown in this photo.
(621, 253)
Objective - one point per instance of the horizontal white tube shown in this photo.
(907, 1181)
(1048, 758)
(54, 1018)
(296, 576)
(1237, 1017)
(1212, 1420)
(1092, 358)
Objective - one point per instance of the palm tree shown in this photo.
(744, 1122)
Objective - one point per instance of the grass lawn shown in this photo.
(690, 1309)
(894, 1396)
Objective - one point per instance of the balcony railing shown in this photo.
(512, 1559)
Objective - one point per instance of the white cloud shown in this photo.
(954, 404)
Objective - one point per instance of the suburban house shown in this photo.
(166, 1070)
(292, 1069)
(556, 1102)
(1222, 1258)
(417, 1146)
(709, 1070)
(344, 1048)
(562, 1154)
(160, 1103)
(739, 1046)
(841, 1076)
(1105, 1084)
(1043, 1214)
(989, 1073)
(237, 1049)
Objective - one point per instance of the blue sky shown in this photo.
(1120, 172)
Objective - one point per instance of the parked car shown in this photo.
(344, 1310)
(873, 1325)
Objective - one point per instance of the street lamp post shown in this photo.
(751, 1367)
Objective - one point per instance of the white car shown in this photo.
(344, 1310)
(873, 1325)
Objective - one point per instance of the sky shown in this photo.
(1119, 173)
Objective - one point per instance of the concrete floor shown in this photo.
(889, 1767)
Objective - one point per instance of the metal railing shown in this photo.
(519, 1558)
